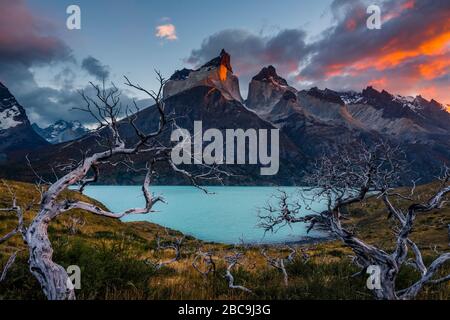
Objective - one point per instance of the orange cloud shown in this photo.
(430, 47)
(436, 68)
(379, 83)
(426, 61)
(166, 31)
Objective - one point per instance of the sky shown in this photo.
(323, 43)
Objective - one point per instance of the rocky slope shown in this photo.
(61, 131)
(16, 132)
(266, 89)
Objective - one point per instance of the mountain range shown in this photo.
(61, 131)
(312, 122)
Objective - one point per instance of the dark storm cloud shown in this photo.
(26, 41)
(94, 67)
(47, 105)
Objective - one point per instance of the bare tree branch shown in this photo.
(205, 258)
(105, 107)
(7, 266)
(175, 245)
(232, 261)
(280, 263)
(354, 176)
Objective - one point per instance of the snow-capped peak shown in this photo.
(62, 131)
(352, 97)
(408, 102)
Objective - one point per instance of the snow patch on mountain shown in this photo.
(408, 102)
(7, 116)
(62, 131)
(352, 97)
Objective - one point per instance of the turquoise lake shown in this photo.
(227, 216)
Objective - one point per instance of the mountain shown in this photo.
(311, 122)
(61, 131)
(209, 94)
(16, 132)
(325, 119)
(405, 118)
(266, 89)
(217, 74)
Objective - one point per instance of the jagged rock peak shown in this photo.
(182, 74)
(216, 73)
(224, 59)
(269, 74)
(327, 95)
(370, 91)
(289, 95)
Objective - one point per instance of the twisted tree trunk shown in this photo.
(52, 277)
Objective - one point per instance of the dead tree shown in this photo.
(175, 245)
(353, 177)
(232, 261)
(105, 107)
(205, 258)
(280, 263)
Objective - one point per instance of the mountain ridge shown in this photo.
(61, 131)
(312, 123)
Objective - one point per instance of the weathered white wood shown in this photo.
(232, 261)
(7, 266)
(208, 261)
(280, 263)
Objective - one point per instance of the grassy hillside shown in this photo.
(113, 257)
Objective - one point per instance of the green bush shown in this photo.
(106, 270)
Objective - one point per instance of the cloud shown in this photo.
(26, 42)
(409, 55)
(46, 105)
(25, 39)
(94, 67)
(250, 52)
(166, 31)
